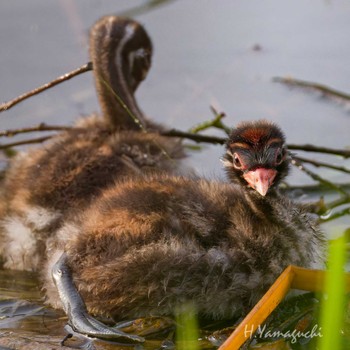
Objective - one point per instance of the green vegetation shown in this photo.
(332, 307)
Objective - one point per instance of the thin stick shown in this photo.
(318, 178)
(214, 123)
(149, 5)
(7, 105)
(337, 215)
(322, 164)
(194, 137)
(310, 148)
(220, 140)
(316, 86)
(25, 142)
(170, 133)
(338, 202)
(316, 188)
(40, 127)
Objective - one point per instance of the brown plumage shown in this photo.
(43, 186)
(153, 242)
(139, 240)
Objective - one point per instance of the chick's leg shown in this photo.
(76, 310)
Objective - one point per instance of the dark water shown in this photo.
(209, 52)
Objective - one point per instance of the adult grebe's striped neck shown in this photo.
(120, 50)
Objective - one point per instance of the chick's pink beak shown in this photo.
(260, 179)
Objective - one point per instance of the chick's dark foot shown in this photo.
(75, 308)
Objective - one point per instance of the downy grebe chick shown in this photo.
(151, 243)
(101, 205)
(44, 185)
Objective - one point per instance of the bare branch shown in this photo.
(220, 140)
(40, 127)
(25, 142)
(316, 86)
(170, 133)
(7, 105)
(311, 148)
(194, 137)
(315, 188)
(322, 164)
(338, 202)
(336, 215)
(318, 178)
(199, 138)
(144, 8)
(214, 123)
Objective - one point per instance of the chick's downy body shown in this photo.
(145, 247)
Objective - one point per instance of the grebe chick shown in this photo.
(119, 232)
(151, 243)
(44, 185)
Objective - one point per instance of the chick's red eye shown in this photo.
(236, 161)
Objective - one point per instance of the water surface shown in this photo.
(209, 52)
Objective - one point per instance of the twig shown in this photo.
(220, 140)
(149, 5)
(171, 133)
(318, 178)
(25, 142)
(194, 137)
(336, 215)
(215, 123)
(316, 86)
(338, 202)
(310, 148)
(40, 127)
(7, 105)
(315, 188)
(86, 67)
(322, 164)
